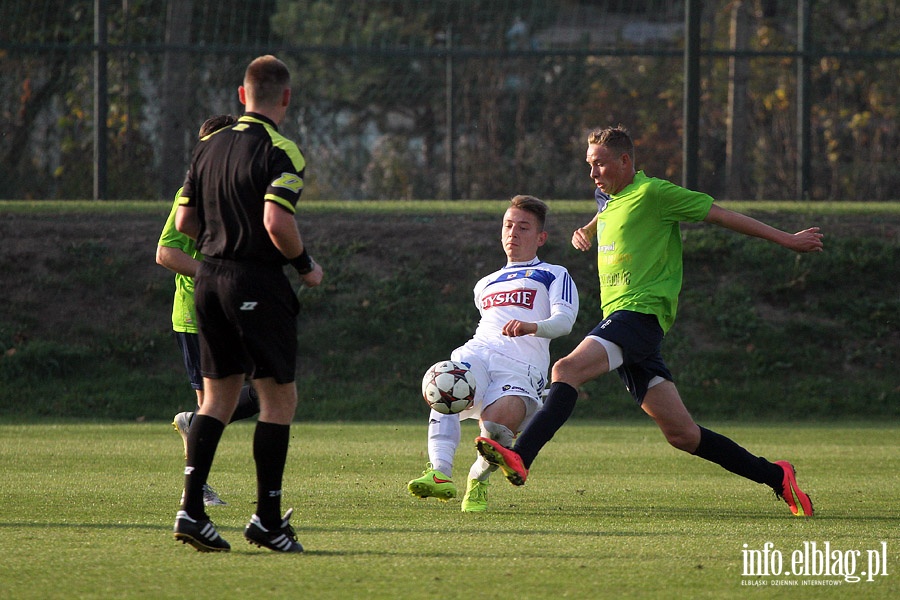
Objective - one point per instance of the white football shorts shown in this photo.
(496, 376)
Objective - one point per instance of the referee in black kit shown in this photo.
(238, 202)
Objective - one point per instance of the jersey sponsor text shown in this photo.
(614, 279)
(523, 298)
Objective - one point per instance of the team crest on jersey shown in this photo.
(523, 298)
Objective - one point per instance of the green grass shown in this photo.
(761, 333)
(86, 511)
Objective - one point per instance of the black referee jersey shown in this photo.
(234, 172)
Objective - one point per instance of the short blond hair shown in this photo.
(616, 139)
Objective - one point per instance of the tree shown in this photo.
(392, 86)
(37, 81)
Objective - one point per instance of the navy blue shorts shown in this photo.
(190, 351)
(640, 337)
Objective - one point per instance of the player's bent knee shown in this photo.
(684, 440)
(562, 369)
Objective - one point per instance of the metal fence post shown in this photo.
(804, 100)
(691, 141)
(451, 145)
(101, 101)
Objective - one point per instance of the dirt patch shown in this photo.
(64, 273)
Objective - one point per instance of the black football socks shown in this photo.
(557, 409)
(726, 453)
(203, 439)
(270, 448)
(248, 404)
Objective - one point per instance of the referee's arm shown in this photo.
(285, 235)
(282, 229)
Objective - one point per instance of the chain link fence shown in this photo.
(419, 99)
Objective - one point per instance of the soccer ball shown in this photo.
(449, 387)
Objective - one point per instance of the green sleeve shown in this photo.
(679, 204)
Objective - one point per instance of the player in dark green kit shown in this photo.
(639, 259)
(238, 202)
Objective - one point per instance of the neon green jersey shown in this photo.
(639, 246)
(184, 316)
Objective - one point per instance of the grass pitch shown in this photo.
(86, 511)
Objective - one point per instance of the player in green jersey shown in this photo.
(178, 253)
(639, 258)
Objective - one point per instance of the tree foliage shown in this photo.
(371, 105)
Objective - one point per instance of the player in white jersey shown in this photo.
(523, 306)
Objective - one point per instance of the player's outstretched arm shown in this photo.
(808, 240)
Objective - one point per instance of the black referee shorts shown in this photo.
(247, 316)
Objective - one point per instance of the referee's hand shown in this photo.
(314, 277)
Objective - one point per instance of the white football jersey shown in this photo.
(531, 292)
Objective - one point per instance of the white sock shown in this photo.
(482, 469)
(443, 439)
